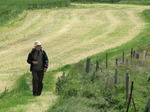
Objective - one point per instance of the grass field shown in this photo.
(68, 35)
(10, 9)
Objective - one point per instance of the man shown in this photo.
(38, 61)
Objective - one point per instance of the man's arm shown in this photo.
(29, 59)
(45, 60)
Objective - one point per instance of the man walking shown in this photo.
(38, 61)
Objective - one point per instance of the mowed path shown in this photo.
(68, 35)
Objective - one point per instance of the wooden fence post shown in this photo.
(101, 69)
(116, 62)
(144, 56)
(88, 63)
(97, 66)
(131, 98)
(123, 57)
(137, 55)
(131, 53)
(127, 61)
(116, 76)
(63, 74)
(146, 53)
(147, 108)
(106, 60)
(127, 86)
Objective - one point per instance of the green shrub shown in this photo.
(91, 1)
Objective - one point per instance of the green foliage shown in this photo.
(144, 2)
(10, 9)
(92, 1)
(147, 15)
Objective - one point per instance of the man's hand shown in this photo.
(45, 69)
(35, 62)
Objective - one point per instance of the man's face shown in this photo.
(38, 47)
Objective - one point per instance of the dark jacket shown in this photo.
(31, 58)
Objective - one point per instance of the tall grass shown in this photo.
(92, 1)
(10, 9)
(143, 2)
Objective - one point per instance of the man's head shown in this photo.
(37, 45)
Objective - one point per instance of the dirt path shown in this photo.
(68, 35)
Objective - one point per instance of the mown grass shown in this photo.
(96, 91)
(10, 9)
(140, 40)
(51, 26)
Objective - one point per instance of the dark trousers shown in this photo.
(37, 78)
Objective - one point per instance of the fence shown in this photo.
(124, 60)
(120, 62)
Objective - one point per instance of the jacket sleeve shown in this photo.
(45, 60)
(29, 59)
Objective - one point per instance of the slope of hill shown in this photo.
(104, 89)
(68, 35)
(97, 91)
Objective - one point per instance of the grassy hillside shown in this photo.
(96, 91)
(68, 36)
(10, 9)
